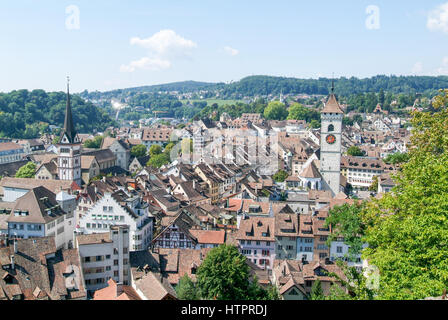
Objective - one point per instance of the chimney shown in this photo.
(12, 262)
(119, 288)
(194, 183)
(15, 246)
(200, 255)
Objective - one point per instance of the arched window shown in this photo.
(309, 184)
(330, 128)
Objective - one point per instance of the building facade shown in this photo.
(105, 256)
(330, 144)
(120, 209)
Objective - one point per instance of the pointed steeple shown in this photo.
(69, 128)
(332, 105)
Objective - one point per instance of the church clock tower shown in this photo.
(330, 145)
(69, 148)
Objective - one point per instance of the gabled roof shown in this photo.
(311, 172)
(332, 105)
(38, 205)
(116, 292)
(41, 271)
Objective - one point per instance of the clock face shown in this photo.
(331, 139)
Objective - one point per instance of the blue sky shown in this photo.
(207, 40)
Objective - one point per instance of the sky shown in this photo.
(104, 45)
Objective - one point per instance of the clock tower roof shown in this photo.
(332, 105)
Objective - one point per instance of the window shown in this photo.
(339, 249)
(330, 128)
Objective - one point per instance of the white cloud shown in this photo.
(438, 19)
(165, 42)
(162, 47)
(418, 68)
(231, 51)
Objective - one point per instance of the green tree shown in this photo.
(346, 222)
(155, 149)
(355, 151)
(186, 289)
(407, 229)
(396, 158)
(158, 160)
(374, 186)
(225, 275)
(353, 285)
(27, 171)
(316, 291)
(275, 111)
(169, 147)
(138, 151)
(315, 124)
(297, 112)
(280, 176)
(94, 143)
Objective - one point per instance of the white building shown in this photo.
(11, 152)
(339, 250)
(39, 213)
(105, 256)
(120, 208)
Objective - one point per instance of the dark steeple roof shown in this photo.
(69, 128)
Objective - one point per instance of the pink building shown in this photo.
(256, 240)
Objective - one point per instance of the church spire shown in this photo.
(69, 128)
